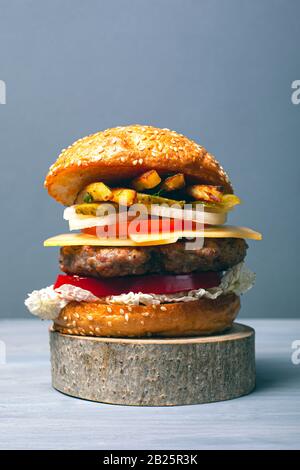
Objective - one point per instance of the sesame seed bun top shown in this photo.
(121, 153)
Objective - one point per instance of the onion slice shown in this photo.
(78, 221)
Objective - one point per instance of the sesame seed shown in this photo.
(122, 311)
(126, 317)
(76, 315)
(70, 331)
(109, 323)
(74, 323)
(134, 162)
(163, 308)
(142, 322)
(141, 161)
(109, 309)
(129, 308)
(65, 318)
(122, 159)
(90, 317)
(146, 314)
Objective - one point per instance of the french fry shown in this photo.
(147, 180)
(207, 193)
(174, 182)
(123, 196)
(94, 192)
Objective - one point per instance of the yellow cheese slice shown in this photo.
(73, 239)
(221, 231)
(212, 231)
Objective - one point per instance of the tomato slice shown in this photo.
(147, 284)
(143, 227)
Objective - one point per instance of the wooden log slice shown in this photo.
(155, 371)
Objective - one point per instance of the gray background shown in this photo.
(218, 71)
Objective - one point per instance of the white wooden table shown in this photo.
(34, 416)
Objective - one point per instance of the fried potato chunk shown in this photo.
(94, 192)
(147, 180)
(207, 193)
(174, 182)
(123, 196)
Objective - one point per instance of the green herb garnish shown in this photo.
(87, 198)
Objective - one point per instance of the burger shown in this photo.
(148, 251)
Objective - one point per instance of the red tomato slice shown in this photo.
(145, 226)
(148, 284)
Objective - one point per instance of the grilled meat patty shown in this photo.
(217, 254)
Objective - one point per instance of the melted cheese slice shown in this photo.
(213, 231)
(73, 239)
(223, 231)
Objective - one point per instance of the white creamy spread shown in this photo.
(47, 303)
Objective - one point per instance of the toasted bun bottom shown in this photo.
(198, 317)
